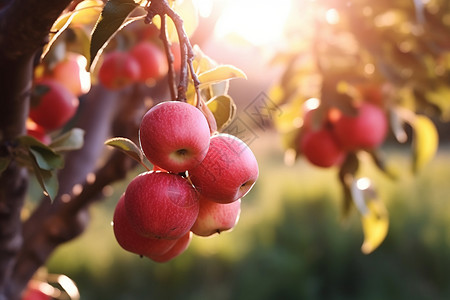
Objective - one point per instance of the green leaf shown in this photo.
(45, 157)
(4, 163)
(128, 147)
(220, 73)
(223, 109)
(425, 142)
(47, 180)
(71, 140)
(47, 160)
(110, 21)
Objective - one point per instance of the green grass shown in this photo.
(290, 242)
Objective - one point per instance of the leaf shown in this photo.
(374, 215)
(375, 225)
(47, 160)
(223, 109)
(44, 156)
(425, 142)
(47, 180)
(71, 140)
(4, 163)
(220, 73)
(128, 147)
(110, 21)
(347, 174)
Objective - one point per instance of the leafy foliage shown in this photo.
(393, 55)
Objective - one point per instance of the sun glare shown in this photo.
(259, 22)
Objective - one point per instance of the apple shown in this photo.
(38, 132)
(71, 72)
(161, 205)
(130, 240)
(228, 171)
(216, 217)
(52, 105)
(180, 246)
(174, 135)
(151, 59)
(321, 148)
(38, 290)
(118, 70)
(366, 130)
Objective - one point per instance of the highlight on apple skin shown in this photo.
(228, 171)
(175, 136)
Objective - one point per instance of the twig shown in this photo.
(167, 47)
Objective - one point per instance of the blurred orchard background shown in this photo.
(292, 240)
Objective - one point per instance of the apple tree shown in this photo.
(77, 75)
(368, 74)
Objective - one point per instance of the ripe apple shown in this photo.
(38, 132)
(52, 104)
(71, 72)
(118, 70)
(130, 240)
(228, 171)
(174, 135)
(366, 130)
(321, 148)
(180, 246)
(161, 205)
(151, 59)
(216, 217)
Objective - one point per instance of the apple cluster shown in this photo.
(339, 134)
(195, 187)
(55, 95)
(144, 62)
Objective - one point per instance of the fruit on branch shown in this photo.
(180, 246)
(38, 132)
(71, 72)
(228, 171)
(366, 130)
(216, 217)
(151, 59)
(321, 148)
(161, 205)
(174, 136)
(52, 105)
(132, 241)
(118, 70)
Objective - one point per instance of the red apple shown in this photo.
(321, 148)
(130, 240)
(174, 135)
(216, 217)
(161, 205)
(366, 130)
(118, 70)
(38, 290)
(228, 171)
(52, 105)
(180, 246)
(151, 59)
(38, 132)
(71, 72)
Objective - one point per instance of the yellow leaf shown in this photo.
(220, 73)
(426, 141)
(223, 109)
(375, 223)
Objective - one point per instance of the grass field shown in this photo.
(290, 242)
